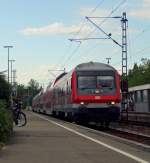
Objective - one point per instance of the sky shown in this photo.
(39, 31)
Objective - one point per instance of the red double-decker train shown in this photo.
(90, 92)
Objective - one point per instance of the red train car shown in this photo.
(90, 92)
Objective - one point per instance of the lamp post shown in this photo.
(14, 88)
(8, 47)
(10, 94)
(11, 77)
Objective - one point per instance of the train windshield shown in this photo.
(96, 84)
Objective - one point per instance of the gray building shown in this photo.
(141, 98)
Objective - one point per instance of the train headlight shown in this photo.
(112, 103)
(82, 103)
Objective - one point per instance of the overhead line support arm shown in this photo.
(108, 35)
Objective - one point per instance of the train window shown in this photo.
(96, 84)
(69, 86)
(87, 82)
(105, 82)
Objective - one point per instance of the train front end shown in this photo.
(96, 92)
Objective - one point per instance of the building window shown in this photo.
(138, 96)
(145, 96)
(135, 96)
(141, 95)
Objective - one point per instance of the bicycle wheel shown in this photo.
(22, 120)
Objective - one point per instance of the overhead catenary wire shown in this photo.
(113, 17)
(142, 32)
(108, 35)
(138, 52)
(112, 55)
(87, 52)
(142, 50)
(98, 5)
(82, 25)
(115, 9)
(63, 58)
(72, 54)
(105, 19)
(139, 35)
(91, 12)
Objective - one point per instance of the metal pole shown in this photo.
(14, 76)
(11, 77)
(10, 91)
(124, 64)
(124, 46)
(108, 60)
(8, 65)
(8, 59)
(11, 71)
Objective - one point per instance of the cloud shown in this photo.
(146, 3)
(58, 28)
(143, 13)
(54, 29)
(88, 11)
(39, 73)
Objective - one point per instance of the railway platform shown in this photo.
(45, 139)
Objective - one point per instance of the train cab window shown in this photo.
(105, 82)
(96, 84)
(86, 82)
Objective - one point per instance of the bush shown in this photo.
(6, 122)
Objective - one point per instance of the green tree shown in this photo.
(6, 118)
(140, 74)
(26, 93)
(33, 89)
(21, 90)
(4, 90)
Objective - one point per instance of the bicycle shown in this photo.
(19, 117)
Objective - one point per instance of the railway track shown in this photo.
(132, 127)
(130, 135)
(136, 133)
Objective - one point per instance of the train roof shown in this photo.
(59, 77)
(38, 95)
(94, 66)
(139, 87)
(88, 66)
